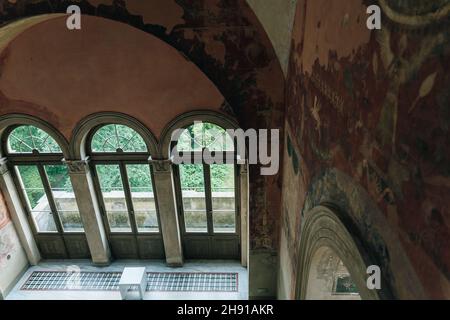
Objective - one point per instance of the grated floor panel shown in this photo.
(108, 281)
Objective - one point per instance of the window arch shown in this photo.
(117, 138)
(30, 139)
(124, 178)
(43, 179)
(34, 152)
(207, 192)
(204, 135)
(119, 149)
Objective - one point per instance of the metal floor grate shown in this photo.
(108, 281)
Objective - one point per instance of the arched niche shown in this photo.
(329, 278)
(323, 228)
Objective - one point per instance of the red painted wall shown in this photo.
(62, 76)
(368, 122)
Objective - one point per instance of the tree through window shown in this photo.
(117, 138)
(30, 139)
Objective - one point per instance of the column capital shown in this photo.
(77, 166)
(160, 165)
(243, 167)
(3, 166)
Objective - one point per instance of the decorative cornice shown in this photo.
(77, 166)
(3, 166)
(244, 168)
(160, 165)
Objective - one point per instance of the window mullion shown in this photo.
(51, 200)
(155, 197)
(208, 197)
(237, 198)
(127, 191)
(179, 196)
(99, 195)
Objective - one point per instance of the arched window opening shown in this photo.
(124, 179)
(117, 138)
(29, 139)
(207, 193)
(202, 135)
(44, 180)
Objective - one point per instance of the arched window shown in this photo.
(29, 139)
(124, 178)
(207, 193)
(44, 180)
(117, 138)
(202, 135)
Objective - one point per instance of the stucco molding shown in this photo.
(77, 166)
(3, 166)
(160, 165)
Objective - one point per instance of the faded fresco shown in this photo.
(4, 217)
(8, 237)
(369, 119)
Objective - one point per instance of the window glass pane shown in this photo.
(205, 135)
(114, 197)
(117, 138)
(29, 139)
(143, 197)
(193, 193)
(223, 198)
(64, 197)
(37, 201)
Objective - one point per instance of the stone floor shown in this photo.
(150, 265)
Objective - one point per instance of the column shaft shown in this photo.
(168, 215)
(84, 190)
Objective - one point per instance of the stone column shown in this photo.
(168, 215)
(85, 195)
(18, 213)
(244, 207)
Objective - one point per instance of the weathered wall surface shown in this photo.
(277, 17)
(12, 257)
(225, 40)
(62, 76)
(367, 130)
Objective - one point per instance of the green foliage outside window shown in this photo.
(111, 137)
